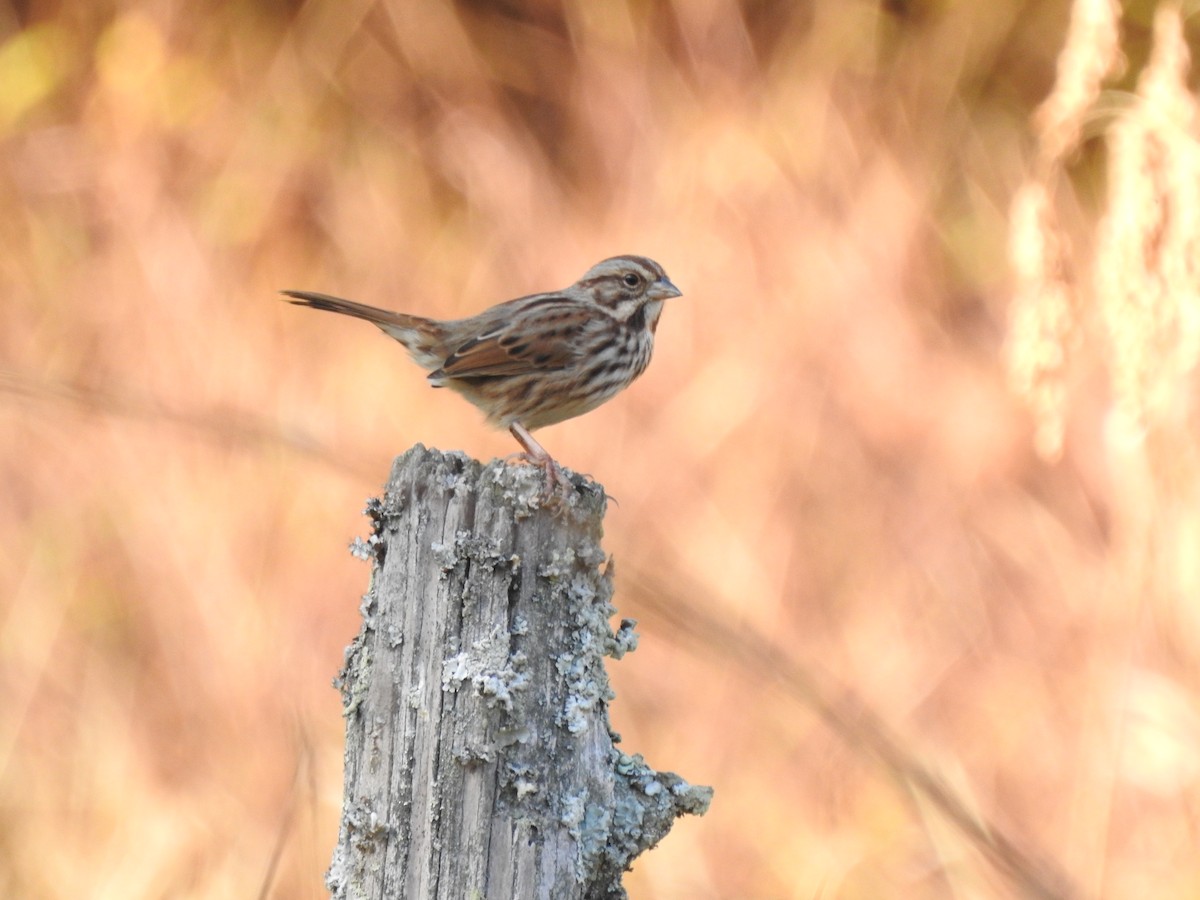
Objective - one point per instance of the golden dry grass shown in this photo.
(825, 452)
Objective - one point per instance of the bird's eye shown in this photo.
(631, 280)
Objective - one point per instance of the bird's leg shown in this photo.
(536, 454)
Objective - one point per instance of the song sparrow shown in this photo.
(539, 359)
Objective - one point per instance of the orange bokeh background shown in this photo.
(823, 451)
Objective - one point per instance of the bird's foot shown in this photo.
(557, 487)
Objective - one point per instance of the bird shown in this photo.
(536, 360)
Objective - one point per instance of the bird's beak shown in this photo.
(664, 290)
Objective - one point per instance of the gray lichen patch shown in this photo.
(588, 692)
(467, 547)
(577, 592)
(364, 548)
(645, 804)
(524, 788)
(624, 639)
(495, 674)
(559, 564)
(353, 681)
(519, 487)
(366, 821)
(386, 509)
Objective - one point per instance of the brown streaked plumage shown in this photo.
(536, 360)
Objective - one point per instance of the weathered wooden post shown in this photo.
(479, 758)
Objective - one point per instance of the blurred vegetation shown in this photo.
(830, 500)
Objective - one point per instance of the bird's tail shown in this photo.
(423, 338)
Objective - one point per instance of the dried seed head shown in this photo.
(1044, 319)
(1146, 278)
(1044, 323)
(1092, 52)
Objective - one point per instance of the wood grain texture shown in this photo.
(479, 758)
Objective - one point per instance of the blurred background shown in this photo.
(869, 442)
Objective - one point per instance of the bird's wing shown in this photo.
(532, 334)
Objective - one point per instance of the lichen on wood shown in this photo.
(479, 757)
